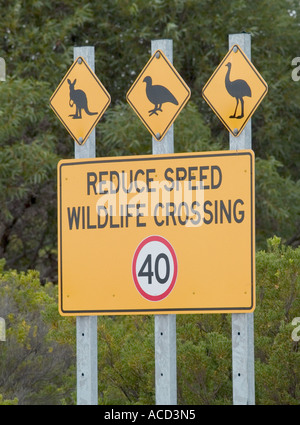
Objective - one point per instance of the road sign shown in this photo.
(158, 95)
(157, 234)
(80, 100)
(235, 90)
(154, 268)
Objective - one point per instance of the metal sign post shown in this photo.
(86, 326)
(2, 78)
(2, 70)
(242, 323)
(165, 325)
(2, 329)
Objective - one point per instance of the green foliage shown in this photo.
(277, 201)
(122, 134)
(204, 360)
(34, 367)
(126, 360)
(37, 363)
(126, 345)
(7, 402)
(278, 302)
(37, 45)
(27, 176)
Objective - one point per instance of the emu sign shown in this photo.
(235, 90)
(80, 100)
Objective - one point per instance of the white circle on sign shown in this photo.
(154, 268)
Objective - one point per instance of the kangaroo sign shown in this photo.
(158, 95)
(157, 234)
(235, 90)
(80, 100)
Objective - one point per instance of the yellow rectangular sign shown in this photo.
(157, 234)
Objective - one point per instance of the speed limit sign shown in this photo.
(154, 268)
(157, 234)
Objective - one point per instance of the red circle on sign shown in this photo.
(172, 254)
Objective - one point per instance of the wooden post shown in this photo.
(243, 381)
(165, 325)
(86, 326)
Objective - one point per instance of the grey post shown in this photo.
(2, 329)
(243, 380)
(2, 70)
(165, 325)
(2, 78)
(86, 326)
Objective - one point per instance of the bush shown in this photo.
(34, 368)
(278, 303)
(126, 345)
(37, 362)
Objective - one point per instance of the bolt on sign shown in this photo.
(158, 95)
(80, 100)
(235, 90)
(157, 234)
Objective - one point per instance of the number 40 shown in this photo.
(146, 269)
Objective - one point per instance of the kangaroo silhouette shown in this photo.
(78, 97)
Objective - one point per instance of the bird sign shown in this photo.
(235, 90)
(80, 100)
(158, 95)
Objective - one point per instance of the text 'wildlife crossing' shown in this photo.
(174, 196)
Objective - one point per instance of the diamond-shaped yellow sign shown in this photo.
(158, 95)
(80, 100)
(235, 90)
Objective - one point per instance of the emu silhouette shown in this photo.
(158, 95)
(78, 97)
(237, 89)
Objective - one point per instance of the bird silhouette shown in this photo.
(157, 95)
(237, 89)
